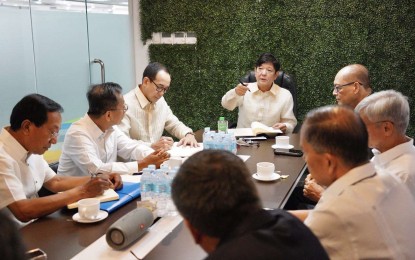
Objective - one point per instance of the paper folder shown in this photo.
(129, 191)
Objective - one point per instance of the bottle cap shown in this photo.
(221, 118)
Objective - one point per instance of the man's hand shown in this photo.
(95, 186)
(156, 158)
(188, 140)
(241, 89)
(165, 143)
(114, 179)
(312, 190)
(280, 126)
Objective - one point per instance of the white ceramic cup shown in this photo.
(175, 162)
(265, 170)
(88, 208)
(282, 141)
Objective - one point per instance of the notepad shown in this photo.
(108, 195)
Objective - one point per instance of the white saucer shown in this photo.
(101, 215)
(275, 176)
(290, 146)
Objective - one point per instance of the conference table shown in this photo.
(62, 238)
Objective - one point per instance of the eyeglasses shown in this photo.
(124, 109)
(267, 71)
(160, 89)
(337, 88)
(53, 135)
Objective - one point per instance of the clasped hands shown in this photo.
(312, 189)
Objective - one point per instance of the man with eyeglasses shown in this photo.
(34, 125)
(263, 100)
(149, 114)
(386, 116)
(351, 85)
(93, 144)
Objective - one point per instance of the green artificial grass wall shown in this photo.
(312, 39)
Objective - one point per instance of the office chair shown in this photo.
(283, 80)
(43, 191)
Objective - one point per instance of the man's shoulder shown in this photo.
(130, 93)
(270, 235)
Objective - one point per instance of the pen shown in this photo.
(243, 84)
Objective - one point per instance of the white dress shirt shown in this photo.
(21, 174)
(400, 161)
(270, 107)
(146, 121)
(86, 149)
(365, 215)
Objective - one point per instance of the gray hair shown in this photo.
(387, 105)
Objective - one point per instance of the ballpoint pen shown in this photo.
(244, 84)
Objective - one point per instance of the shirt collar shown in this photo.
(274, 89)
(95, 131)
(142, 100)
(393, 153)
(15, 149)
(353, 176)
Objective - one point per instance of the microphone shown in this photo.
(129, 228)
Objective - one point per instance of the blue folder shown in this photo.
(129, 191)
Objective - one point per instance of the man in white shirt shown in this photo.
(93, 143)
(351, 85)
(34, 125)
(262, 101)
(386, 116)
(149, 114)
(363, 214)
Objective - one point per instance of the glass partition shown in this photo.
(17, 70)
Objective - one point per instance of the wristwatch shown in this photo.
(189, 133)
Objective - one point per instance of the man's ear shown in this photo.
(146, 80)
(25, 126)
(332, 164)
(107, 116)
(388, 128)
(195, 233)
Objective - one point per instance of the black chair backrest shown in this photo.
(283, 80)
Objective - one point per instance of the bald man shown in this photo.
(351, 85)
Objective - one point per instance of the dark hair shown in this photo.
(214, 191)
(103, 97)
(12, 246)
(35, 108)
(152, 69)
(268, 57)
(337, 130)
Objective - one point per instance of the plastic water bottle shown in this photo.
(152, 167)
(145, 184)
(170, 207)
(227, 142)
(164, 168)
(234, 145)
(222, 125)
(160, 192)
(210, 142)
(205, 137)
